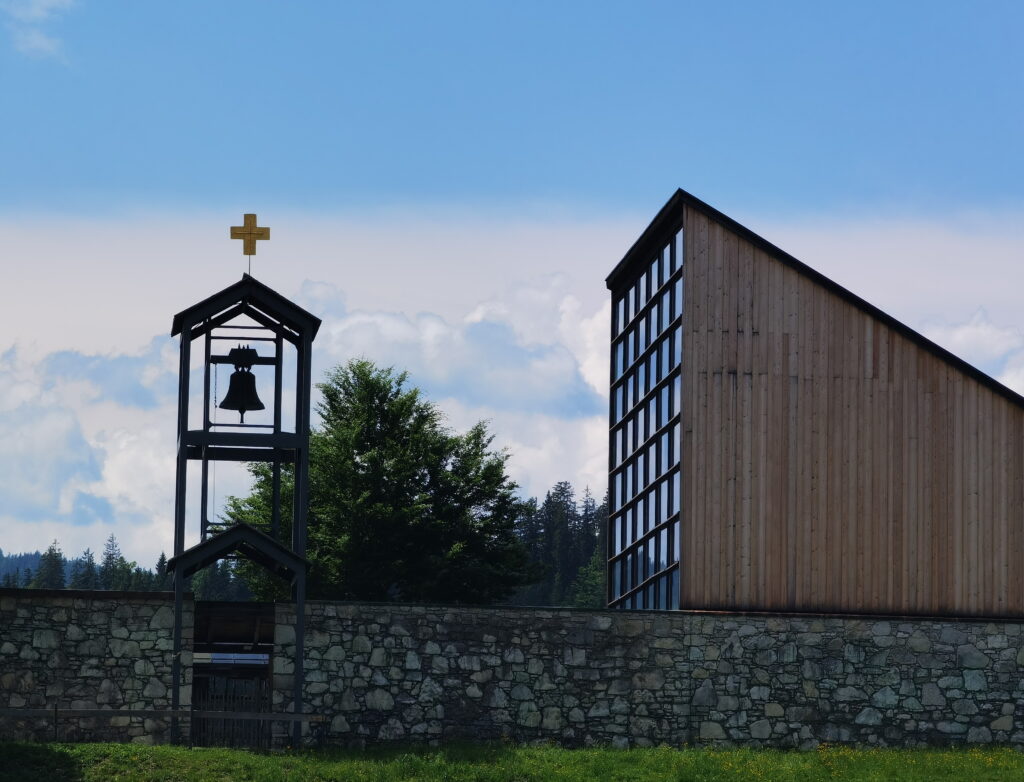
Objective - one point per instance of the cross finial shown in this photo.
(248, 232)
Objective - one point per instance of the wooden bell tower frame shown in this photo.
(273, 320)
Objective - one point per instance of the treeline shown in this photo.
(564, 537)
(53, 570)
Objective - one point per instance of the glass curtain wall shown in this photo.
(644, 480)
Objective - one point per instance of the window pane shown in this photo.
(663, 587)
(650, 597)
(620, 316)
(673, 597)
(664, 411)
(616, 586)
(663, 496)
(663, 549)
(677, 256)
(675, 536)
(675, 492)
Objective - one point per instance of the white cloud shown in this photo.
(978, 340)
(34, 11)
(34, 42)
(920, 270)
(543, 449)
(26, 18)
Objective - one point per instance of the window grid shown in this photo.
(644, 434)
(657, 317)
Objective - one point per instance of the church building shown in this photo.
(779, 444)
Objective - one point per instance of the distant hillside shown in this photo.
(16, 563)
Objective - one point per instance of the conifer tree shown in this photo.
(83, 572)
(115, 571)
(161, 580)
(50, 573)
(401, 508)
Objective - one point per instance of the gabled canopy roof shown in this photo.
(670, 218)
(247, 541)
(249, 292)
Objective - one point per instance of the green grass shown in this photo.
(495, 763)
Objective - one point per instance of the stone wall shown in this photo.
(403, 673)
(427, 673)
(89, 650)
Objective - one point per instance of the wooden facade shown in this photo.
(832, 458)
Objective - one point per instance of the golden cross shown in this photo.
(249, 233)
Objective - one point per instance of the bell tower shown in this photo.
(267, 340)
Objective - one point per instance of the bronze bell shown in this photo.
(241, 395)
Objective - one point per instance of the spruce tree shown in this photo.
(115, 571)
(83, 572)
(50, 573)
(161, 580)
(588, 590)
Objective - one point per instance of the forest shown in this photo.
(564, 536)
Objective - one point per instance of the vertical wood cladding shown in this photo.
(829, 461)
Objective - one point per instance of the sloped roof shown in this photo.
(249, 291)
(670, 218)
(247, 541)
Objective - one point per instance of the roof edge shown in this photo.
(234, 290)
(671, 213)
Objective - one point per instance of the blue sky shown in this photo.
(447, 185)
(592, 105)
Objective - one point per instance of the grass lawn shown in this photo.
(130, 763)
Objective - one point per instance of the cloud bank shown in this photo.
(502, 320)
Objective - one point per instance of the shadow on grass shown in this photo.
(37, 763)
